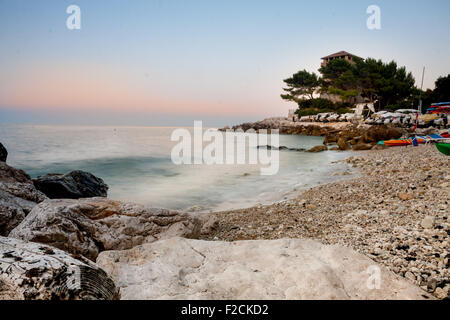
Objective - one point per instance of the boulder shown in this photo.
(9, 174)
(342, 144)
(18, 196)
(89, 226)
(287, 269)
(3, 153)
(35, 271)
(318, 149)
(381, 133)
(73, 185)
(330, 138)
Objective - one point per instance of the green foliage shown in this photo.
(343, 110)
(319, 105)
(300, 85)
(308, 112)
(442, 91)
(370, 78)
(385, 84)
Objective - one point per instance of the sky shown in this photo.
(168, 63)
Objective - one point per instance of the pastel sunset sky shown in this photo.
(163, 62)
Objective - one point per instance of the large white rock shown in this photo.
(266, 269)
(35, 271)
(89, 226)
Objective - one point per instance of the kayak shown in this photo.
(444, 148)
(399, 143)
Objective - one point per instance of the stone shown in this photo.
(441, 293)
(428, 222)
(209, 223)
(330, 138)
(409, 275)
(343, 145)
(379, 147)
(3, 153)
(73, 185)
(362, 146)
(405, 196)
(10, 216)
(318, 149)
(285, 269)
(381, 133)
(34, 271)
(9, 174)
(18, 196)
(89, 226)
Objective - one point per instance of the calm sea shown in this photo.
(135, 162)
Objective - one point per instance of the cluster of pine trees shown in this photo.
(386, 85)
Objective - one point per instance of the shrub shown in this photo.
(318, 103)
(315, 106)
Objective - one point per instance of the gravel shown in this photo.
(396, 212)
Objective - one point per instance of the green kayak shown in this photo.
(444, 148)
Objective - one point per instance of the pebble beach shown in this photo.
(396, 212)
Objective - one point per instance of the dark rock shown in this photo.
(3, 153)
(343, 145)
(281, 148)
(330, 138)
(74, 185)
(318, 149)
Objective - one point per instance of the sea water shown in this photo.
(136, 164)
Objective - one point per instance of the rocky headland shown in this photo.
(350, 135)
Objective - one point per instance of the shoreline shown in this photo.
(336, 174)
(396, 213)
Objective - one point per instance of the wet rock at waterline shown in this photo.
(318, 149)
(73, 185)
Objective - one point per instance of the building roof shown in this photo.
(339, 54)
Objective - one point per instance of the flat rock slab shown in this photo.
(290, 269)
(89, 226)
(35, 271)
